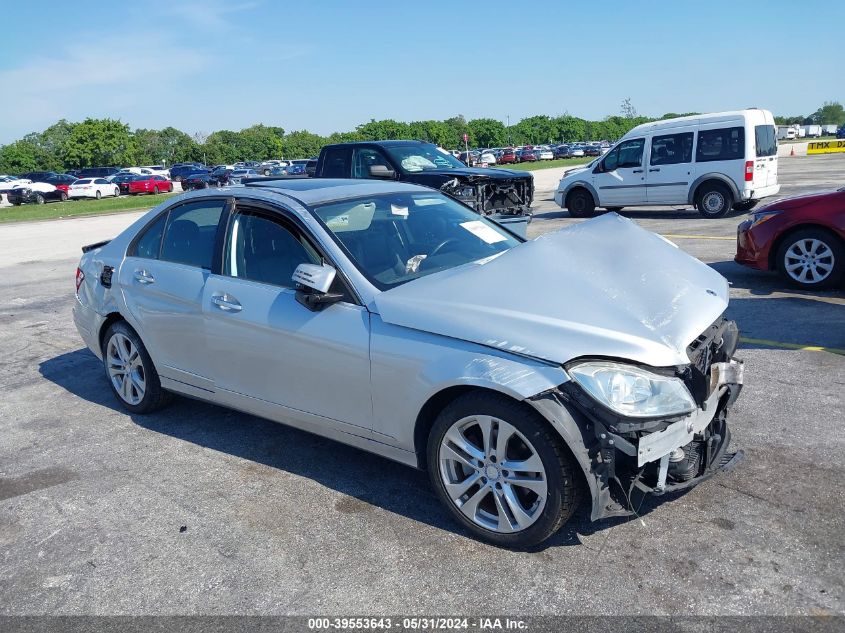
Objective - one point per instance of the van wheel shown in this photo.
(714, 200)
(580, 203)
(500, 470)
(745, 206)
(812, 258)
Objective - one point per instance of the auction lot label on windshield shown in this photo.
(826, 147)
(483, 231)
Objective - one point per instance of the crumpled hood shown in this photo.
(605, 287)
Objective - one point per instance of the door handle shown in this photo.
(637, 171)
(654, 169)
(143, 277)
(226, 302)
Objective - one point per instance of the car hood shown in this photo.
(473, 173)
(785, 204)
(605, 287)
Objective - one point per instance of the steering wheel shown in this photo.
(442, 245)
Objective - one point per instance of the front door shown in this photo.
(669, 168)
(620, 176)
(268, 353)
(162, 280)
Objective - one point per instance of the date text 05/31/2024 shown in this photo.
(411, 623)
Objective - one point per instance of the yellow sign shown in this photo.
(826, 147)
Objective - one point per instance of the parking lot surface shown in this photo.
(201, 510)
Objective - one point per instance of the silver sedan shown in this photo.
(392, 318)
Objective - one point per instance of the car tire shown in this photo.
(39, 199)
(97, 194)
(205, 185)
(812, 258)
(130, 371)
(580, 203)
(63, 197)
(155, 191)
(502, 512)
(714, 200)
(116, 192)
(746, 205)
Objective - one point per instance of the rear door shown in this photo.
(163, 278)
(765, 156)
(669, 168)
(620, 178)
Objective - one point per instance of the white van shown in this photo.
(713, 161)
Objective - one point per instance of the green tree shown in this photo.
(535, 129)
(302, 144)
(487, 132)
(570, 128)
(831, 112)
(457, 126)
(98, 142)
(167, 146)
(19, 157)
(436, 132)
(386, 129)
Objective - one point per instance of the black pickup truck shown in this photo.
(494, 192)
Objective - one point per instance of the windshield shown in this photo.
(422, 157)
(394, 238)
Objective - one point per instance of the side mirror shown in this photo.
(382, 171)
(312, 286)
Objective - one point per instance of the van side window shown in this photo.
(626, 154)
(722, 144)
(671, 149)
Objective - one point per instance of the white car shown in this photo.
(545, 154)
(92, 188)
(487, 157)
(717, 162)
(154, 170)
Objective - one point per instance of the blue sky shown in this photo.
(204, 65)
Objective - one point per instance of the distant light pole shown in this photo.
(509, 130)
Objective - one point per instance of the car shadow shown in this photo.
(297, 452)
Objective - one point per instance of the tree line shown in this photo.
(105, 142)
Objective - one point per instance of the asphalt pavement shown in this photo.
(201, 510)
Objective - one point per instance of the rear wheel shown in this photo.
(63, 196)
(714, 200)
(116, 192)
(499, 470)
(130, 371)
(812, 258)
(39, 199)
(580, 203)
(155, 191)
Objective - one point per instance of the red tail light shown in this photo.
(80, 277)
(749, 170)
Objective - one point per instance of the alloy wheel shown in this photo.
(809, 261)
(493, 474)
(126, 369)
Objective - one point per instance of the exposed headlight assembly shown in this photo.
(466, 192)
(761, 216)
(631, 391)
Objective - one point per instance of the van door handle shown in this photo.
(226, 302)
(654, 169)
(143, 277)
(637, 171)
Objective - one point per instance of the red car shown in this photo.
(527, 156)
(149, 184)
(802, 238)
(508, 156)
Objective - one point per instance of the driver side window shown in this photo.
(626, 154)
(266, 250)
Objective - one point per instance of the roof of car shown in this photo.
(312, 191)
(385, 143)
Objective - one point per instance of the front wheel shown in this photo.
(97, 194)
(499, 470)
(116, 192)
(130, 370)
(714, 200)
(155, 191)
(580, 203)
(63, 196)
(812, 258)
(39, 199)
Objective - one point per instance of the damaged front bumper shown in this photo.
(625, 459)
(493, 196)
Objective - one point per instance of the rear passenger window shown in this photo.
(336, 163)
(765, 140)
(149, 244)
(722, 144)
(671, 149)
(190, 233)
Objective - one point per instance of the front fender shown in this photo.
(578, 183)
